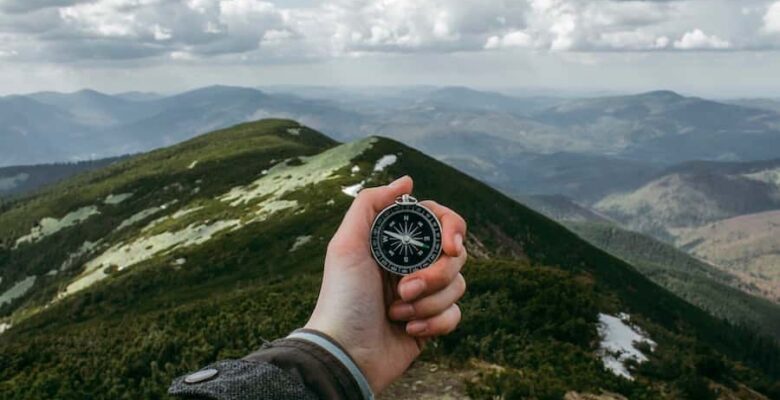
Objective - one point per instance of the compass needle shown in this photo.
(405, 237)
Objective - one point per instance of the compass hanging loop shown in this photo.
(405, 199)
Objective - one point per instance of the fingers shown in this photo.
(432, 279)
(440, 324)
(358, 219)
(453, 227)
(431, 305)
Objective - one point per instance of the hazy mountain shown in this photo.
(52, 127)
(175, 258)
(34, 132)
(747, 246)
(532, 144)
(562, 208)
(694, 194)
(139, 96)
(95, 109)
(667, 127)
(763, 104)
(24, 179)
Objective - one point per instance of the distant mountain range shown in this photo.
(116, 280)
(22, 180)
(656, 128)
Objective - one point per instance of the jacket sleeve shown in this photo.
(306, 365)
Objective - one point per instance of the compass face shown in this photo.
(405, 238)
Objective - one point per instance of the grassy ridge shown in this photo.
(532, 305)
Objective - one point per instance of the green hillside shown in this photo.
(166, 261)
(691, 279)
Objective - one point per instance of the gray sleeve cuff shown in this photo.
(334, 348)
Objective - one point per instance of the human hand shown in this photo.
(383, 328)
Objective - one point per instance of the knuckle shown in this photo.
(439, 278)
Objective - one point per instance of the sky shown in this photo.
(718, 48)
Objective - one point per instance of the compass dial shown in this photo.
(405, 237)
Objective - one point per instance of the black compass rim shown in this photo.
(437, 225)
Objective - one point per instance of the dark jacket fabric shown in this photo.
(285, 369)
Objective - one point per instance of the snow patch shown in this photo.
(283, 178)
(294, 131)
(49, 226)
(180, 261)
(770, 176)
(11, 182)
(4, 326)
(330, 202)
(186, 211)
(121, 256)
(300, 241)
(138, 217)
(85, 248)
(385, 162)
(17, 290)
(618, 340)
(114, 199)
(193, 164)
(353, 190)
(52, 272)
(355, 169)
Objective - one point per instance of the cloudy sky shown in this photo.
(708, 47)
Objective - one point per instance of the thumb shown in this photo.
(369, 202)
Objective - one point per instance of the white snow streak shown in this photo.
(617, 345)
(17, 290)
(385, 162)
(49, 226)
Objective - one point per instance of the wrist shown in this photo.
(332, 346)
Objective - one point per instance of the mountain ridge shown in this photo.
(256, 184)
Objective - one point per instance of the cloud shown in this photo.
(698, 40)
(512, 39)
(248, 31)
(772, 18)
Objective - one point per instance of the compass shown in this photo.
(405, 237)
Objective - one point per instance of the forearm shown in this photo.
(305, 365)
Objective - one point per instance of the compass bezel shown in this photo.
(375, 242)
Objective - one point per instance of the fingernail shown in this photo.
(459, 242)
(397, 181)
(411, 289)
(403, 311)
(416, 327)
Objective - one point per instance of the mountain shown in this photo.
(746, 246)
(587, 178)
(722, 292)
(95, 109)
(666, 127)
(702, 284)
(457, 97)
(563, 209)
(696, 193)
(763, 104)
(168, 260)
(51, 127)
(584, 148)
(24, 179)
(34, 132)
